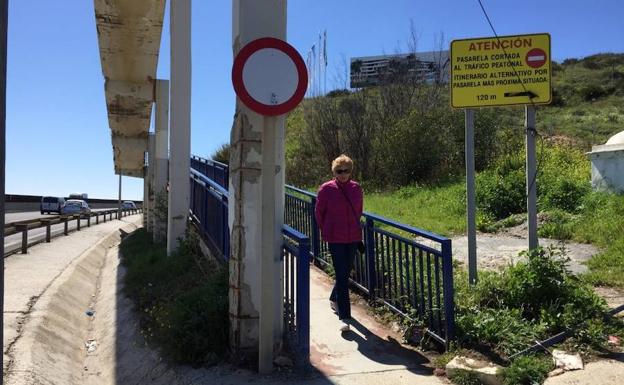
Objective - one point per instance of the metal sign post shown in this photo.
(269, 252)
(270, 78)
(470, 198)
(531, 176)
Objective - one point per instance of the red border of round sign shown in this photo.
(241, 91)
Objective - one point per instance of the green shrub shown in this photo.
(504, 330)
(501, 194)
(564, 194)
(182, 299)
(528, 301)
(527, 370)
(464, 377)
(592, 92)
(557, 224)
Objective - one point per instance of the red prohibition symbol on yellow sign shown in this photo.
(536, 58)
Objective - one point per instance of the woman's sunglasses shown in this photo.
(343, 171)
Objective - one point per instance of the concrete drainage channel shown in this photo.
(57, 338)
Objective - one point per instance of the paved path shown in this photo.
(369, 353)
(495, 251)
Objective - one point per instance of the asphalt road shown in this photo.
(14, 242)
(14, 217)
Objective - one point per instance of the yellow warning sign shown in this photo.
(501, 71)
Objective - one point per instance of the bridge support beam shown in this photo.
(256, 142)
(180, 140)
(161, 157)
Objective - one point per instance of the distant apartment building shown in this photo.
(428, 67)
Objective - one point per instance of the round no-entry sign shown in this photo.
(269, 76)
(536, 58)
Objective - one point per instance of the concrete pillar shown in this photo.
(161, 157)
(180, 140)
(252, 20)
(151, 149)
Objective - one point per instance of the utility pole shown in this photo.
(119, 204)
(4, 19)
(531, 176)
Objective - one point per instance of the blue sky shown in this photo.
(58, 139)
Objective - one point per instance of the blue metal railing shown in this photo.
(408, 269)
(209, 209)
(215, 171)
(296, 257)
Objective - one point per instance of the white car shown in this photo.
(75, 206)
(128, 205)
(51, 204)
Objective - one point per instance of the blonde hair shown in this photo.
(342, 161)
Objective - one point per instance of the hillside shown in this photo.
(405, 133)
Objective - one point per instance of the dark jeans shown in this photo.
(343, 255)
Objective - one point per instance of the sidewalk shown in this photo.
(369, 354)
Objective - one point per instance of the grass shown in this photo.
(527, 370)
(441, 210)
(602, 224)
(599, 221)
(182, 300)
(571, 210)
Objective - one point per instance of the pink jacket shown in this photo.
(334, 216)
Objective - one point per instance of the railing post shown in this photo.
(303, 297)
(370, 257)
(226, 229)
(65, 227)
(24, 230)
(104, 216)
(447, 290)
(48, 229)
(78, 222)
(89, 220)
(316, 239)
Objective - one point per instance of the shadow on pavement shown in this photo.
(386, 352)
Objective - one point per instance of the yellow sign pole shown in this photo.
(471, 209)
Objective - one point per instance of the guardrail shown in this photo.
(25, 226)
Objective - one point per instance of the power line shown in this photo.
(531, 130)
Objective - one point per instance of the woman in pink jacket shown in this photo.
(338, 210)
